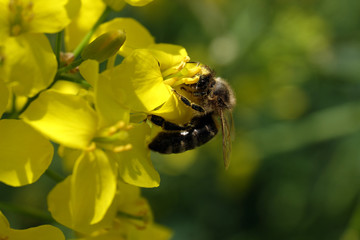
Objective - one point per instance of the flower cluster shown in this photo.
(96, 115)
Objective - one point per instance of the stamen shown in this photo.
(171, 81)
(191, 80)
(21, 14)
(112, 130)
(122, 148)
(92, 147)
(120, 124)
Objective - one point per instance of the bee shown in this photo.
(213, 100)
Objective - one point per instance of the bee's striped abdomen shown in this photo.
(203, 128)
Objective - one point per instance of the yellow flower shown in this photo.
(29, 16)
(87, 193)
(138, 82)
(24, 153)
(29, 63)
(137, 36)
(43, 232)
(70, 121)
(83, 21)
(145, 80)
(108, 147)
(129, 216)
(65, 119)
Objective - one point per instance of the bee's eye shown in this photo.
(222, 92)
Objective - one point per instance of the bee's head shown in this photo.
(224, 94)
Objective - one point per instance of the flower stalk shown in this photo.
(87, 37)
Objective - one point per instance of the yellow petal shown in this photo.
(127, 194)
(138, 83)
(24, 153)
(66, 119)
(66, 87)
(89, 69)
(107, 104)
(73, 8)
(78, 215)
(139, 207)
(154, 232)
(4, 226)
(169, 55)
(93, 187)
(43, 232)
(137, 36)
(138, 3)
(68, 157)
(175, 111)
(58, 203)
(49, 16)
(89, 13)
(4, 20)
(135, 166)
(30, 64)
(4, 96)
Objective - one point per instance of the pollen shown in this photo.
(191, 80)
(116, 128)
(122, 148)
(21, 14)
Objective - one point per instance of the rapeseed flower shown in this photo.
(145, 81)
(137, 36)
(29, 62)
(109, 148)
(100, 125)
(29, 16)
(129, 216)
(24, 166)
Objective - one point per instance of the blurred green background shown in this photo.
(295, 68)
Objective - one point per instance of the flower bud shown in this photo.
(104, 46)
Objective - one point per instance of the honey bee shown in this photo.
(213, 100)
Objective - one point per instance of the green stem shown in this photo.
(54, 175)
(87, 37)
(13, 114)
(127, 215)
(58, 47)
(25, 210)
(30, 100)
(74, 79)
(57, 77)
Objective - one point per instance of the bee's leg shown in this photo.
(166, 125)
(195, 93)
(189, 103)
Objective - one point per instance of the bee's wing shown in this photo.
(226, 127)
